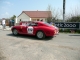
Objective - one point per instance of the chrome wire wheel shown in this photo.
(15, 32)
(40, 35)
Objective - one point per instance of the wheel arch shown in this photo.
(13, 29)
(40, 30)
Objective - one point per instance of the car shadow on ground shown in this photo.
(74, 35)
(30, 37)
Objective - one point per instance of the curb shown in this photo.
(7, 29)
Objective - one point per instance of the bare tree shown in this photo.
(54, 13)
(49, 12)
(74, 15)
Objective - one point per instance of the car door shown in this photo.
(23, 28)
(32, 28)
(27, 28)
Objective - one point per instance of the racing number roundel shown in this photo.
(30, 30)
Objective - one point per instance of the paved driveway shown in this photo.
(62, 47)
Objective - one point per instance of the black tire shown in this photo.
(15, 32)
(40, 35)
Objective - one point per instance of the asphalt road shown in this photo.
(62, 47)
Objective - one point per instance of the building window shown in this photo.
(41, 19)
(20, 19)
(37, 19)
(33, 19)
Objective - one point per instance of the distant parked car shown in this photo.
(39, 29)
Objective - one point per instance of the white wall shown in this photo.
(23, 17)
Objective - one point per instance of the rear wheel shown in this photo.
(15, 32)
(40, 35)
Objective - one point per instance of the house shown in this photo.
(34, 16)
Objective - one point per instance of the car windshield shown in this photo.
(47, 23)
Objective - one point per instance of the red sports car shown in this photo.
(39, 29)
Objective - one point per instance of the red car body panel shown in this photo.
(41, 26)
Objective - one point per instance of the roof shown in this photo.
(38, 14)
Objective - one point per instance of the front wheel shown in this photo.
(15, 32)
(40, 35)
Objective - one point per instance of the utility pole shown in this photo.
(63, 10)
